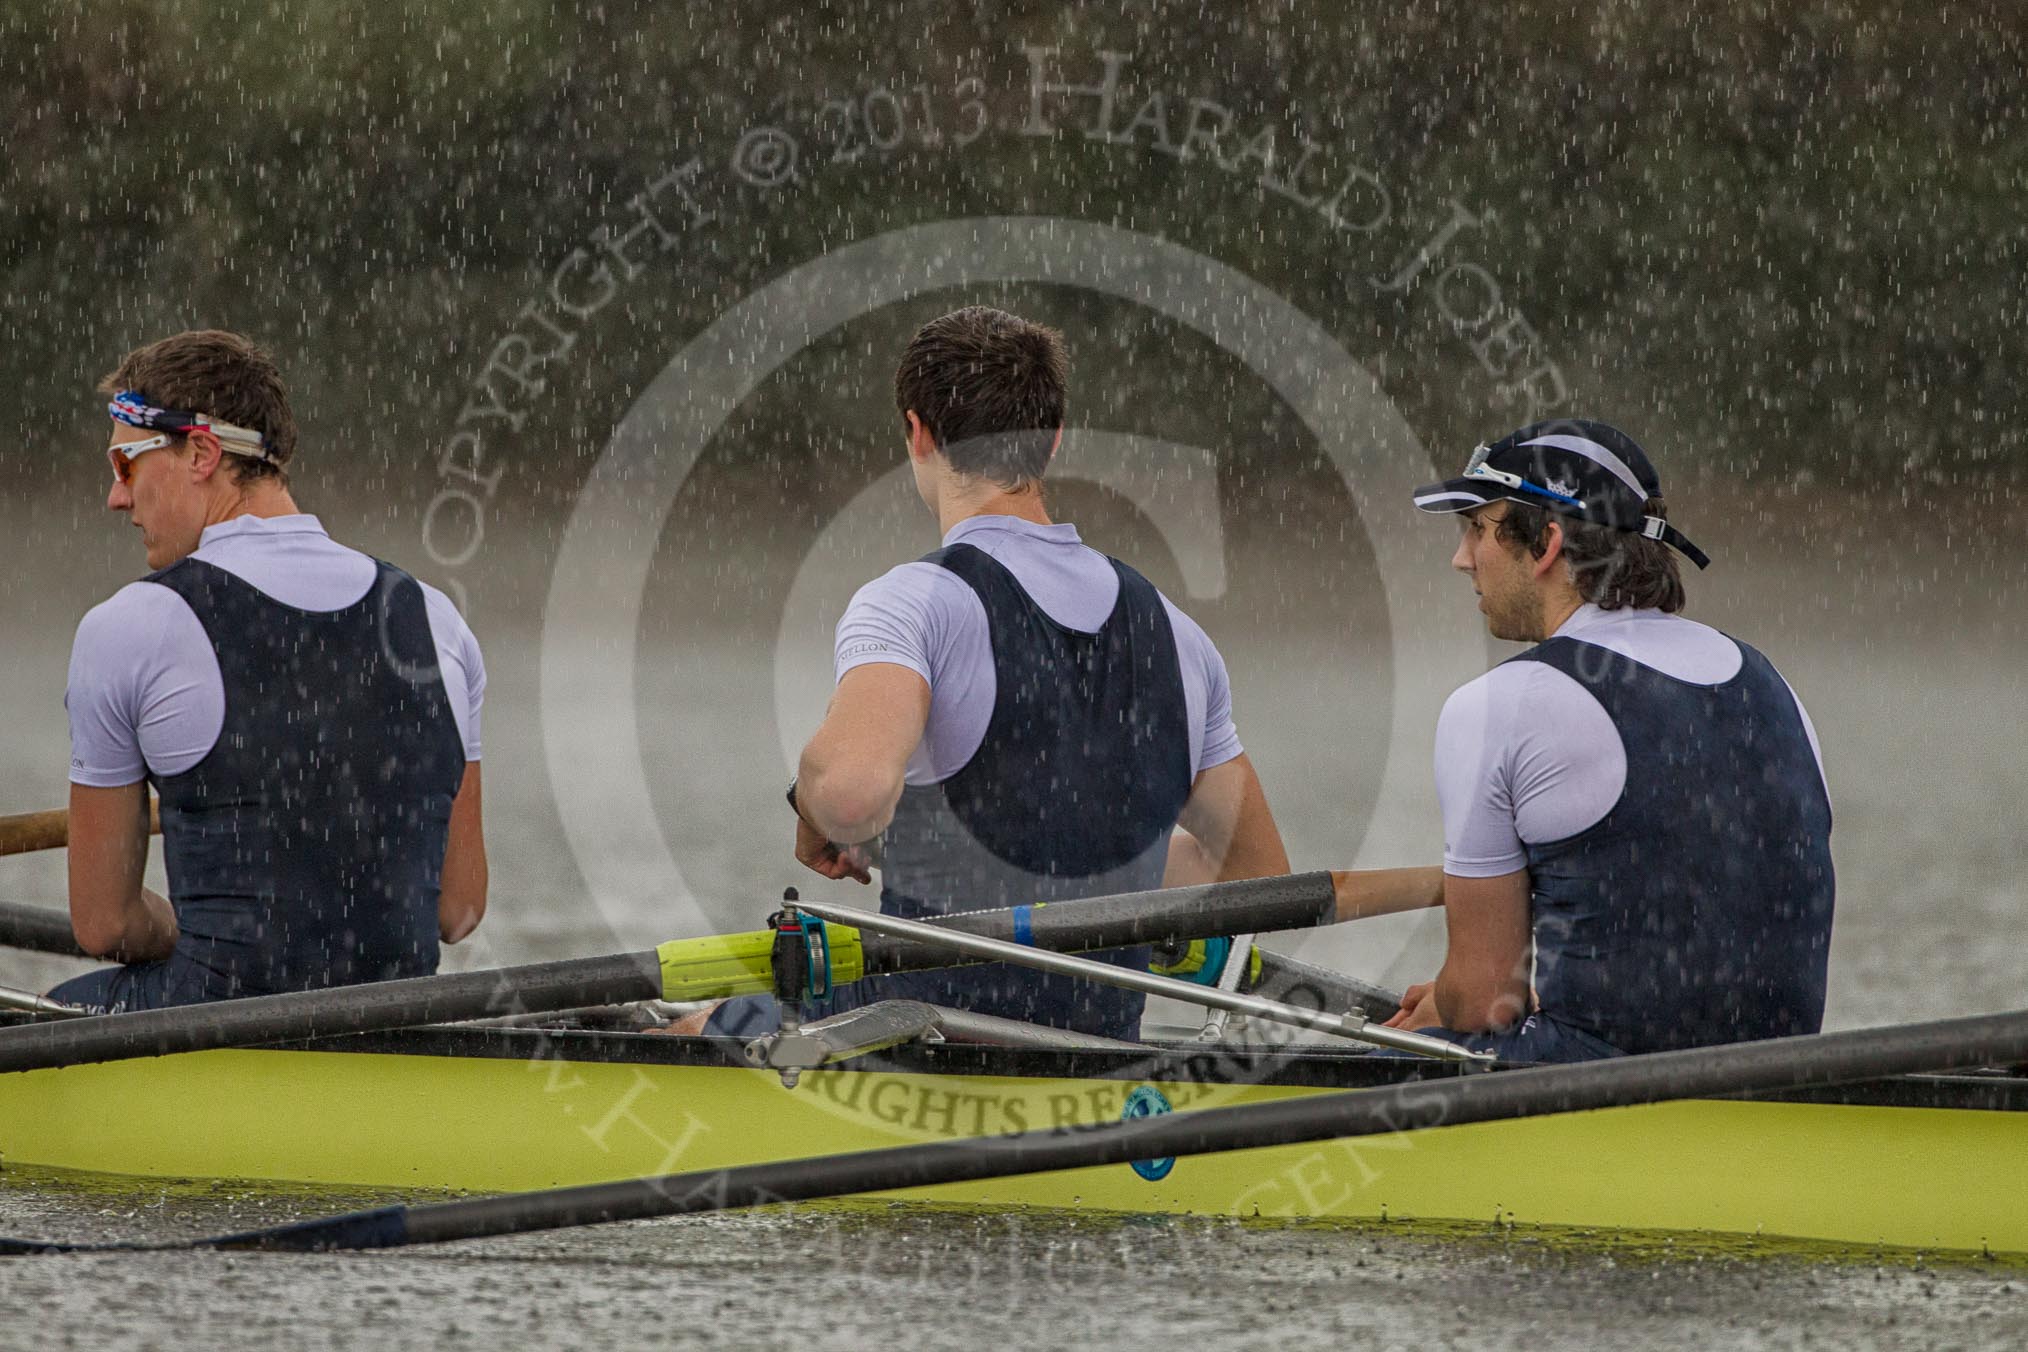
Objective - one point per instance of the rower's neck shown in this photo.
(266, 498)
(1557, 610)
(985, 498)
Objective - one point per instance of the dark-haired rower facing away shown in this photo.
(1018, 718)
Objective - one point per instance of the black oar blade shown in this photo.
(381, 1228)
(11, 1247)
(1704, 1072)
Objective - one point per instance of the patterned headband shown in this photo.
(133, 409)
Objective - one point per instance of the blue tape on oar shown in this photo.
(1024, 927)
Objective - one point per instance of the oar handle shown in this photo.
(1248, 906)
(26, 832)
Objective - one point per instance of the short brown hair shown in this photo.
(1613, 569)
(990, 387)
(229, 377)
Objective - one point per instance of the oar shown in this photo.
(38, 929)
(1705, 1072)
(1352, 1024)
(682, 969)
(28, 831)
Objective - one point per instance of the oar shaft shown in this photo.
(38, 929)
(1787, 1063)
(1251, 905)
(337, 1010)
(718, 965)
(680, 970)
(982, 948)
(26, 831)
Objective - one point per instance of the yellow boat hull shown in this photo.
(1852, 1173)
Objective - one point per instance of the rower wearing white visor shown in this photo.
(1636, 825)
(307, 715)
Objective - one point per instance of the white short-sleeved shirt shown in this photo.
(1525, 755)
(924, 617)
(145, 691)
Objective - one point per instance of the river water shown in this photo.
(875, 1276)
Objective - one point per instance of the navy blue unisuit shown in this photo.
(306, 849)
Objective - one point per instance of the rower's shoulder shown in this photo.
(1677, 646)
(448, 626)
(1189, 636)
(916, 584)
(1496, 697)
(1519, 674)
(447, 623)
(134, 611)
(141, 633)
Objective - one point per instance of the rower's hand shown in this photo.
(833, 861)
(1418, 1008)
(691, 1024)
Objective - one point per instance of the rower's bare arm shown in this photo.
(1228, 830)
(1386, 891)
(850, 775)
(1483, 987)
(111, 913)
(461, 904)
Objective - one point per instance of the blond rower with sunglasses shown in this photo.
(308, 716)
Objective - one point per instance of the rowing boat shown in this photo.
(1925, 1161)
(578, 1116)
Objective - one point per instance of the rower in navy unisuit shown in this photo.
(1636, 824)
(309, 717)
(1018, 719)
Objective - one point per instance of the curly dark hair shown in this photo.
(1613, 569)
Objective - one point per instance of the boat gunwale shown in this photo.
(1312, 1066)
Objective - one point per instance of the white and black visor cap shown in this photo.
(1588, 471)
